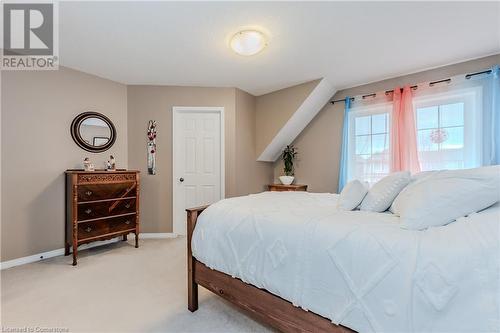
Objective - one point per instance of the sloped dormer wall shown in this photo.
(282, 115)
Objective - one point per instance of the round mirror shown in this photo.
(93, 132)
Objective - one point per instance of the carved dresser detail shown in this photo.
(100, 205)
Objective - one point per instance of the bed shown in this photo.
(296, 262)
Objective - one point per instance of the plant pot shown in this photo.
(286, 180)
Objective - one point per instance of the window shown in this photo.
(369, 149)
(448, 134)
(447, 130)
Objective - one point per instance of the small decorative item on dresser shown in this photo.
(100, 205)
(285, 188)
(111, 164)
(87, 165)
(152, 147)
(288, 155)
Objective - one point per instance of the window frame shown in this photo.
(471, 97)
(362, 111)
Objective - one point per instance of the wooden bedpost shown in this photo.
(192, 217)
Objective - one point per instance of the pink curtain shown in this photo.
(403, 134)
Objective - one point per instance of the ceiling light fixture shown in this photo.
(248, 42)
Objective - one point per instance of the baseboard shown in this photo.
(50, 254)
(30, 259)
(157, 235)
(60, 252)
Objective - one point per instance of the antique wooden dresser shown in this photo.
(100, 205)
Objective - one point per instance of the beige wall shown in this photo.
(273, 110)
(252, 176)
(319, 147)
(156, 102)
(37, 110)
(319, 143)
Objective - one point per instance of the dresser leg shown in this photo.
(124, 238)
(66, 249)
(136, 240)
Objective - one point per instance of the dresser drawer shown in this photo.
(122, 223)
(105, 226)
(105, 191)
(92, 229)
(87, 211)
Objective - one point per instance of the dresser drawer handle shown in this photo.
(127, 206)
(88, 211)
(127, 222)
(88, 229)
(88, 193)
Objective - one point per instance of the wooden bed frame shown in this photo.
(261, 304)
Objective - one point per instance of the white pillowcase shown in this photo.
(422, 175)
(446, 195)
(418, 177)
(382, 194)
(352, 194)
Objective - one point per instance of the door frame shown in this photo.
(176, 111)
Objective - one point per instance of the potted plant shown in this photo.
(288, 155)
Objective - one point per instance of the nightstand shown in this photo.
(284, 188)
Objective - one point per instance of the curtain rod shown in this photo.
(415, 87)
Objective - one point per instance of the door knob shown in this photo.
(181, 179)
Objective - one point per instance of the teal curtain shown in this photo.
(491, 116)
(490, 130)
(345, 144)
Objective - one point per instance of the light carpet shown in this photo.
(116, 288)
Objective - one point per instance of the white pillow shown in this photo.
(382, 194)
(352, 194)
(418, 177)
(447, 195)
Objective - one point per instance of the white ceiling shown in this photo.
(348, 43)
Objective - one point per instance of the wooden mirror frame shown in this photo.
(75, 132)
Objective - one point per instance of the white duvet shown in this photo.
(359, 269)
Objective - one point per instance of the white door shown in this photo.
(198, 177)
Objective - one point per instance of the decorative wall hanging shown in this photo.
(152, 147)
